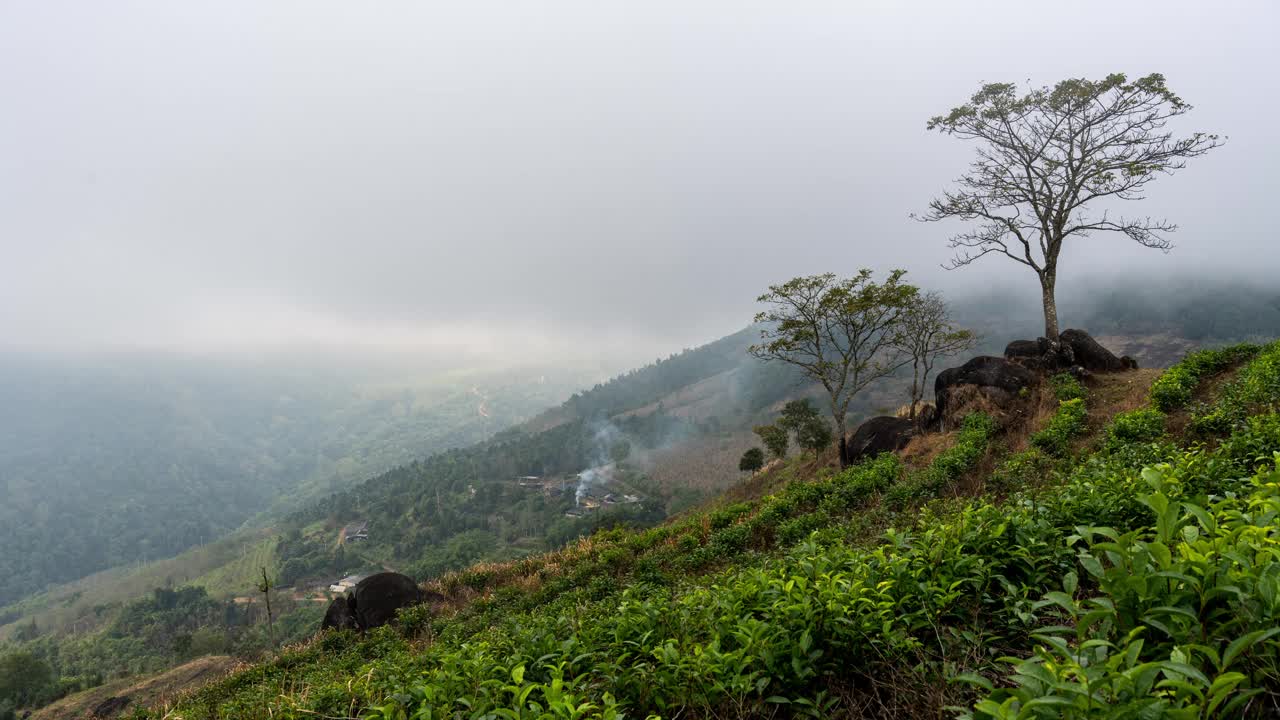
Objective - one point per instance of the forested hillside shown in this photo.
(138, 459)
(465, 505)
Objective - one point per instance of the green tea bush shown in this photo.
(1184, 621)
(1174, 387)
(1257, 384)
(755, 638)
(728, 515)
(857, 484)
(1066, 387)
(971, 444)
(1136, 426)
(1068, 423)
(1021, 470)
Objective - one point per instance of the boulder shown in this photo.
(1075, 350)
(1089, 354)
(339, 616)
(1027, 348)
(879, 434)
(375, 599)
(992, 383)
(1040, 355)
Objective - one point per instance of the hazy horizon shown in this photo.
(577, 178)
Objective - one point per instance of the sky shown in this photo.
(535, 179)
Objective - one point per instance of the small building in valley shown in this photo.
(346, 583)
(355, 532)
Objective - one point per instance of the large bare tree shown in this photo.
(841, 332)
(1049, 158)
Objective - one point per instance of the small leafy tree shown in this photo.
(752, 460)
(796, 414)
(1045, 161)
(801, 417)
(774, 438)
(927, 334)
(814, 434)
(839, 331)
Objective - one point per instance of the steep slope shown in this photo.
(869, 593)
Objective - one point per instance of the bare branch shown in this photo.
(1042, 157)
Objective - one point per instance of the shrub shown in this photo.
(1142, 646)
(1136, 426)
(1066, 387)
(1021, 470)
(726, 516)
(1065, 425)
(1258, 384)
(971, 444)
(856, 484)
(1174, 387)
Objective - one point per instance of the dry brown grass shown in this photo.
(1006, 409)
(158, 690)
(922, 449)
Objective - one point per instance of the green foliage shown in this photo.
(796, 414)
(24, 679)
(814, 435)
(971, 444)
(1066, 387)
(1155, 639)
(752, 460)
(1257, 384)
(1174, 387)
(775, 438)
(801, 418)
(778, 632)
(1143, 425)
(1068, 423)
(727, 516)
(840, 332)
(1021, 470)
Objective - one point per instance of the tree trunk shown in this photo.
(844, 446)
(1047, 281)
(915, 389)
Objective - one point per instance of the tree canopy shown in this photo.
(1050, 158)
(928, 334)
(839, 331)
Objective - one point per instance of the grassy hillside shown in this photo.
(1114, 559)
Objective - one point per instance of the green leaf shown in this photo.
(1244, 642)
